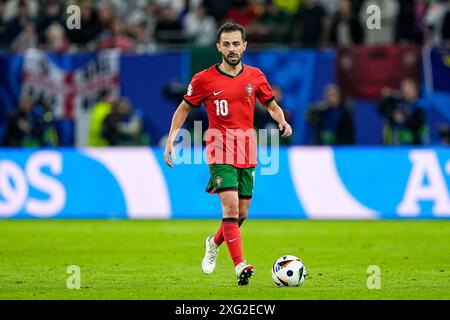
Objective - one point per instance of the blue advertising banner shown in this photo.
(293, 183)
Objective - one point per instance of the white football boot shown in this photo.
(243, 273)
(211, 253)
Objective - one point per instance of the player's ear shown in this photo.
(218, 46)
(245, 45)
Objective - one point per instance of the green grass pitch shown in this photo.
(122, 259)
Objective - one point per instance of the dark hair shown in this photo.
(104, 93)
(231, 27)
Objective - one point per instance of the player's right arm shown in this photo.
(178, 119)
(193, 98)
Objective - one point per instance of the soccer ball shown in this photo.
(288, 271)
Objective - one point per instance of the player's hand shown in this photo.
(168, 152)
(286, 129)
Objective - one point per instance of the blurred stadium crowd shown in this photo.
(147, 26)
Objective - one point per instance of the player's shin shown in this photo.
(232, 236)
(218, 237)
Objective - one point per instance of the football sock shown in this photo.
(218, 237)
(232, 236)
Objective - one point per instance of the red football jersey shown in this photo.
(230, 103)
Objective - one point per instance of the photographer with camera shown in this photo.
(405, 115)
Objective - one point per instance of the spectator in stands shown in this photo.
(122, 127)
(168, 29)
(27, 39)
(19, 23)
(244, 12)
(345, 26)
(140, 32)
(176, 6)
(435, 19)
(310, 24)
(191, 5)
(389, 10)
(51, 14)
(332, 119)
(446, 25)
(420, 11)
(405, 115)
(117, 38)
(12, 8)
(99, 112)
(3, 43)
(290, 6)
(106, 15)
(43, 124)
(331, 6)
(122, 8)
(273, 25)
(200, 28)
(86, 36)
(410, 22)
(218, 9)
(152, 12)
(31, 124)
(18, 124)
(55, 39)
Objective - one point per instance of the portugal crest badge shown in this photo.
(219, 181)
(249, 88)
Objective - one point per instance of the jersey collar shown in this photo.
(229, 75)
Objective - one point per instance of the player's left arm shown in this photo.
(277, 114)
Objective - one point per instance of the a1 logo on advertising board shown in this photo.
(426, 166)
(15, 185)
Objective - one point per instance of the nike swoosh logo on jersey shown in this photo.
(230, 241)
(216, 93)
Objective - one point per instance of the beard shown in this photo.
(232, 60)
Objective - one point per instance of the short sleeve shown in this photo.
(264, 92)
(195, 93)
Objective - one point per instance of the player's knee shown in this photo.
(231, 210)
(243, 213)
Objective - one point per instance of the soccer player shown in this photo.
(229, 91)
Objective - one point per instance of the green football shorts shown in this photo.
(225, 177)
